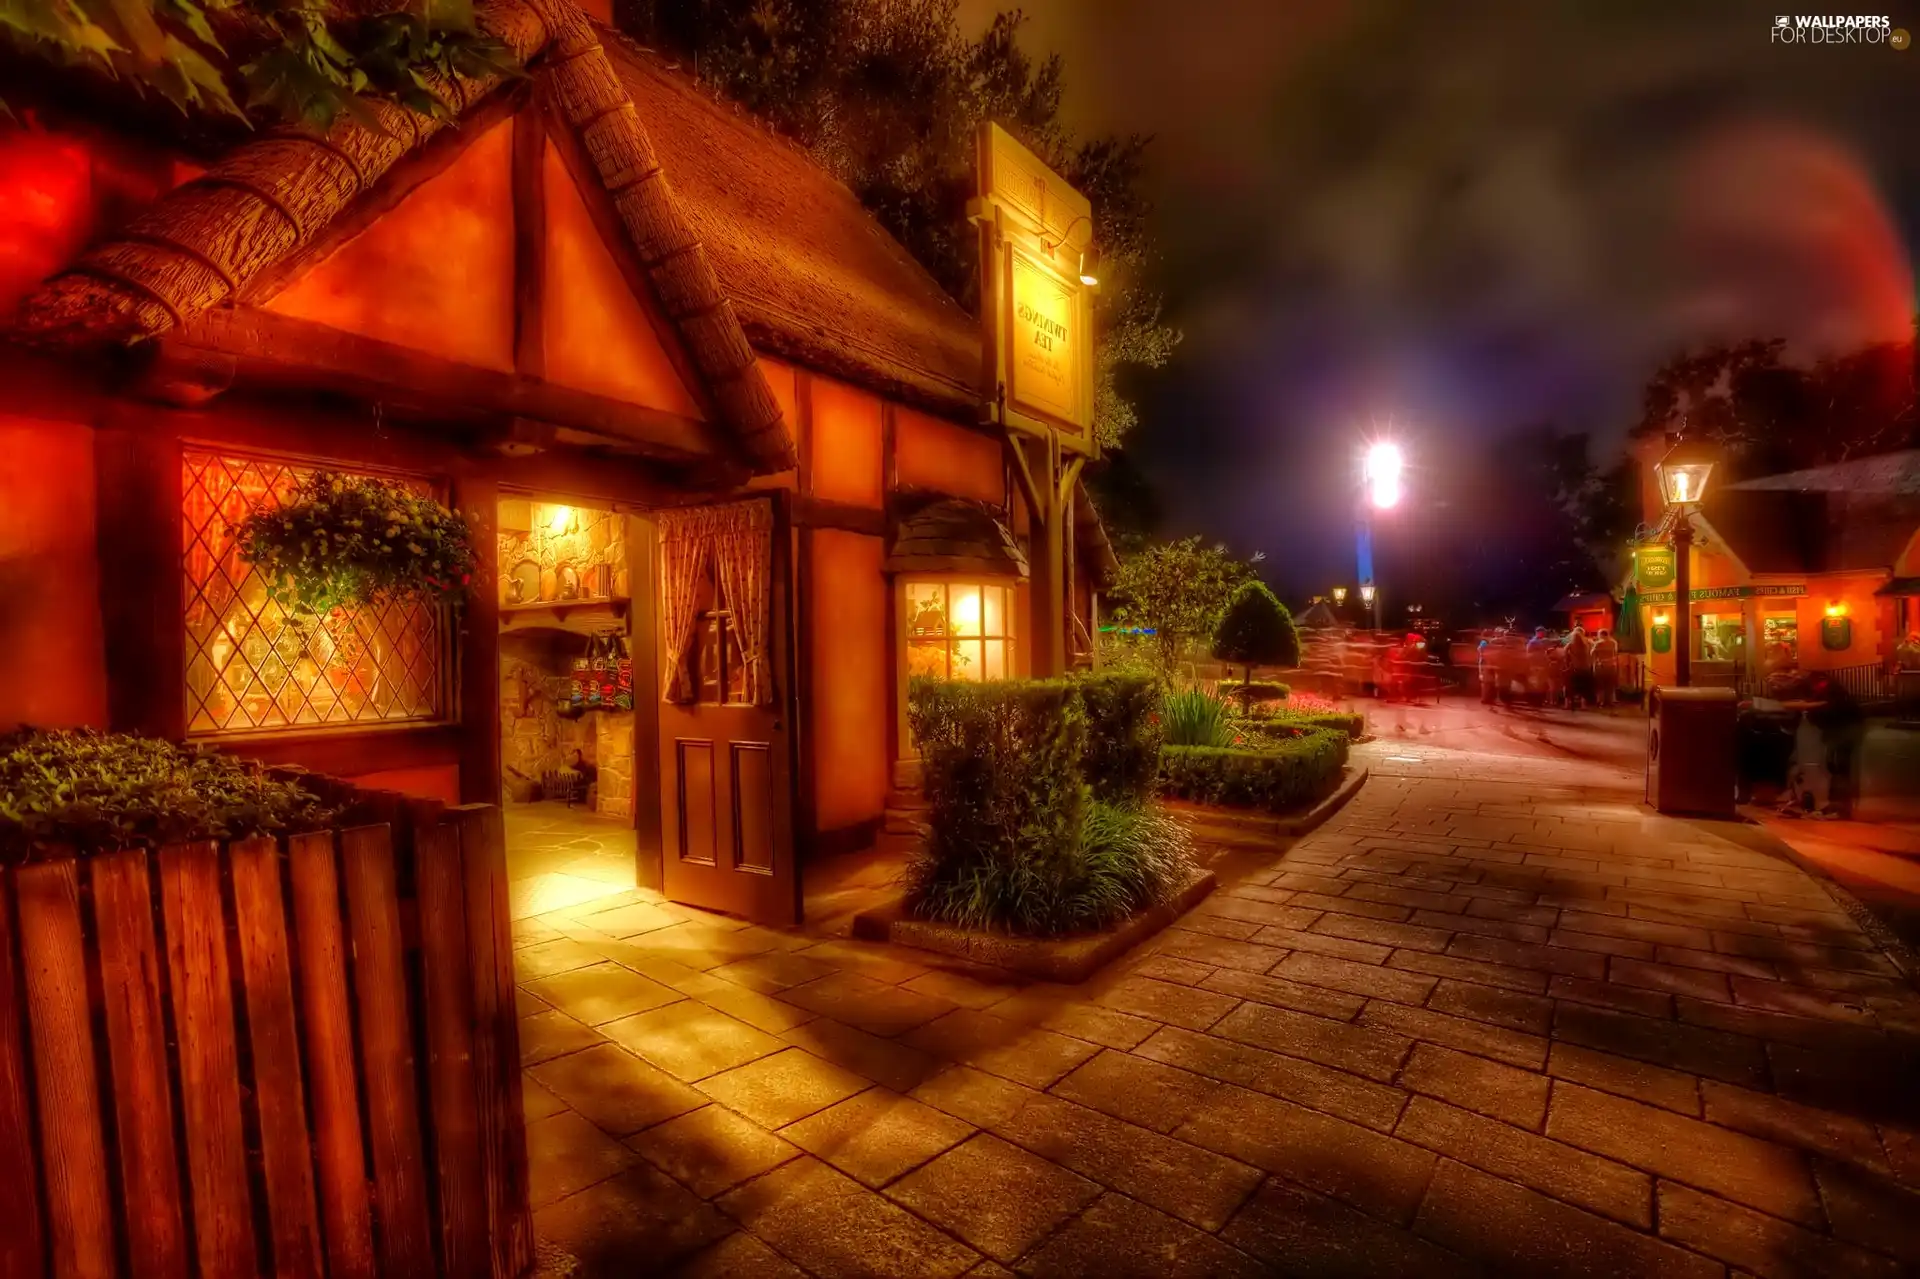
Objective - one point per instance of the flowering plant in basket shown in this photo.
(354, 539)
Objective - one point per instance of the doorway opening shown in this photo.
(569, 616)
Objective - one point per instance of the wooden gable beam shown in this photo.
(265, 349)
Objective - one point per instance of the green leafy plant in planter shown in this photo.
(89, 792)
(1022, 837)
(1194, 717)
(340, 540)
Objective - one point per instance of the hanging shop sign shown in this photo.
(1661, 634)
(1769, 590)
(1836, 634)
(1652, 568)
(1036, 232)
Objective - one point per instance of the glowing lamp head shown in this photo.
(1090, 267)
(1366, 593)
(1661, 619)
(561, 520)
(1339, 595)
(1382, 472)
(1837, 608)
(1683, 473)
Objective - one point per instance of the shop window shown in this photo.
(253, 667)
(1780, 638)
(959, 630)
(1721, 637)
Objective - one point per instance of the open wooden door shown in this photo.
(726, 763)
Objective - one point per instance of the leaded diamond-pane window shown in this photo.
(251, 665)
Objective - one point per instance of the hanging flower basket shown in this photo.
(343, 540)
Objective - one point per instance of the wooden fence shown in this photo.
(291, 1058)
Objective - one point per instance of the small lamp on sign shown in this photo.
(1837, 608)
(1090, 266)
(1661, 619)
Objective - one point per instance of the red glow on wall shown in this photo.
(46, 206)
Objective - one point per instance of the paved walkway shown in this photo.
(1493, 1018)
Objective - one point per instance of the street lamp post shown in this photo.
(1380, 470)
(1683, 475)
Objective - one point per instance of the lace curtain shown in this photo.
(738, 540)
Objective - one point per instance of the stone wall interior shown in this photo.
(554, 554)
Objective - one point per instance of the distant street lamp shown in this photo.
(1683, 474)
(1382, 468)
(1339, 595)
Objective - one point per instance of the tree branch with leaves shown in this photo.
(304, 62)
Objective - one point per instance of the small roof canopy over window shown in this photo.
(954, 536)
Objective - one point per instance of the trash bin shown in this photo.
(1691, 750)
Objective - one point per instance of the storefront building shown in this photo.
(716, 430)
(1816, 570)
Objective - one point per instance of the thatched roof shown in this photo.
(812, 275)
(201, 245)
(955, 535)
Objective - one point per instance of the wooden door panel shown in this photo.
(727, 780)
(753, 807)
(698, 842)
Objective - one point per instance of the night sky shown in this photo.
(1465, 217)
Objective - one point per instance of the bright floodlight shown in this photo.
(1382, 469)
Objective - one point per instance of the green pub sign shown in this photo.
(1652, 568)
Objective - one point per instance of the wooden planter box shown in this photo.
(292, 1058)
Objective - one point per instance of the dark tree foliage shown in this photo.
(887, 94)
(1771, 416)
(1506, 527)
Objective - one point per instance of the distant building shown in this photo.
(1820, 567)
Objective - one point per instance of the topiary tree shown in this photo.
(1256, 630)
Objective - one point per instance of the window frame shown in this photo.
(904, 643)
(443, 688)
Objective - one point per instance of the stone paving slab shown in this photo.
(1494, 1016)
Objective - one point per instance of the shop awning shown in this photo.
(958, 537)
(1901, 586)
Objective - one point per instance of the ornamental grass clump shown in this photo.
(89, 792)
(1194, 717)
(342, 540)
(1038, 805)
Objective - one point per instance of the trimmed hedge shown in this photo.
(1001, 766)
(1124, 733)
(1037, 804)
(92, 792)
(1281, 722)
(1286, 773)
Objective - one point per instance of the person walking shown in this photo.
(1606, 668)
(1539, 667)
(1579, 669)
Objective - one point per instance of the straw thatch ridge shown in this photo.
(202, 243)
(596, 105)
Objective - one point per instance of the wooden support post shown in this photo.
(138, 485)
(478, 639)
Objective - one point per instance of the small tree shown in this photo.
(1256, 630)
(1178, 591)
